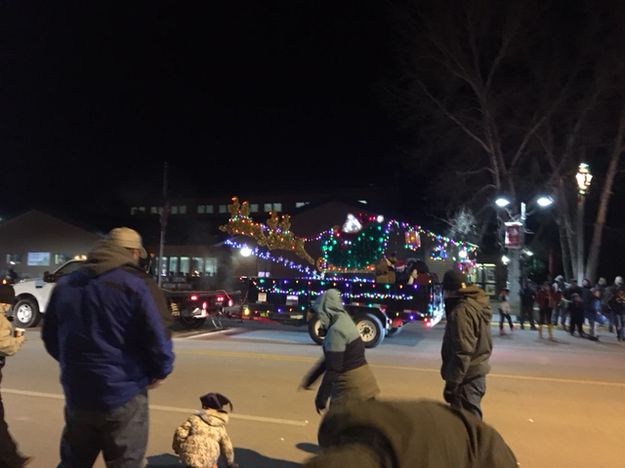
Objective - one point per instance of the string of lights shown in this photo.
(351, 289)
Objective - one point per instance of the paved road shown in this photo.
(557, 404)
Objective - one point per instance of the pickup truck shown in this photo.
(378, 309)
(190, 308)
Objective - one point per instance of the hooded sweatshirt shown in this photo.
(467, 343)
(343, 349)
(107, 326)
(202, 438)
(408, 434)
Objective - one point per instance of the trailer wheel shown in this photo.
(395, 331)
(314, 325)
(370, 329)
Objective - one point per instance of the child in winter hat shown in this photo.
(202, 438)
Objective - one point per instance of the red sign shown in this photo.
(514, 235)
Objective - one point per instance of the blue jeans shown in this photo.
(121, 434)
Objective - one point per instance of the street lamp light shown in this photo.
(583, 178)
(502, 202)
(544, 201)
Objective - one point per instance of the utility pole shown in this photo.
(164, 215)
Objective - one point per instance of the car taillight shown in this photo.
(220, 298)
(230, 303)
(193, 297)
(204, 305)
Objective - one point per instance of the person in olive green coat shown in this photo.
(408, 434)
(467, 343)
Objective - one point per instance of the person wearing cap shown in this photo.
(107, 325)
(467, 343)
(202, 438)
(408, 434)
(10, 456)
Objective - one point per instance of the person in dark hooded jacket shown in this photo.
(467, 343)
(108, 326)
(346, 374)
(408, 434)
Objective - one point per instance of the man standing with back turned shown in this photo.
(108, 326)
(467, 344)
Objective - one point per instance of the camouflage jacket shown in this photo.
(201, 438)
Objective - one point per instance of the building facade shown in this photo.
(35, 242)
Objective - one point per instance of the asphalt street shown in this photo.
(556, 403)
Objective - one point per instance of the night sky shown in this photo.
(238, 97)
(235, 95)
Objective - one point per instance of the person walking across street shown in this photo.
(346, 374)
(10, 457)
(467, 343)
(108, 327)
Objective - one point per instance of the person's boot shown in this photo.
(550, 330)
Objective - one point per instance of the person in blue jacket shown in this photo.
(108, 327)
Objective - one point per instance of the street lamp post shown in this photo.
(583, 177)
(515, 243)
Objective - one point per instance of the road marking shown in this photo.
(171, 409)
(192, 335)
(279, 357)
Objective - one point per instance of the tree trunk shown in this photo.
(606, 192)
(566, 231)
(566, 257)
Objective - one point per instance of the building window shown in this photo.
(253, 207)
(61, 258)
(14, 259)
(136, 210)
(184, 264)
(210, 266)
(299, 204)
(173, 265)
(267, 207)
(205, 209)
(163, 265)
(38, 258)
(223, 209)
(174, 209)
(154, 210)
(182, 209)
(277, 207)
(197, 266)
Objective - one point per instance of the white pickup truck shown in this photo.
(32, 295)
